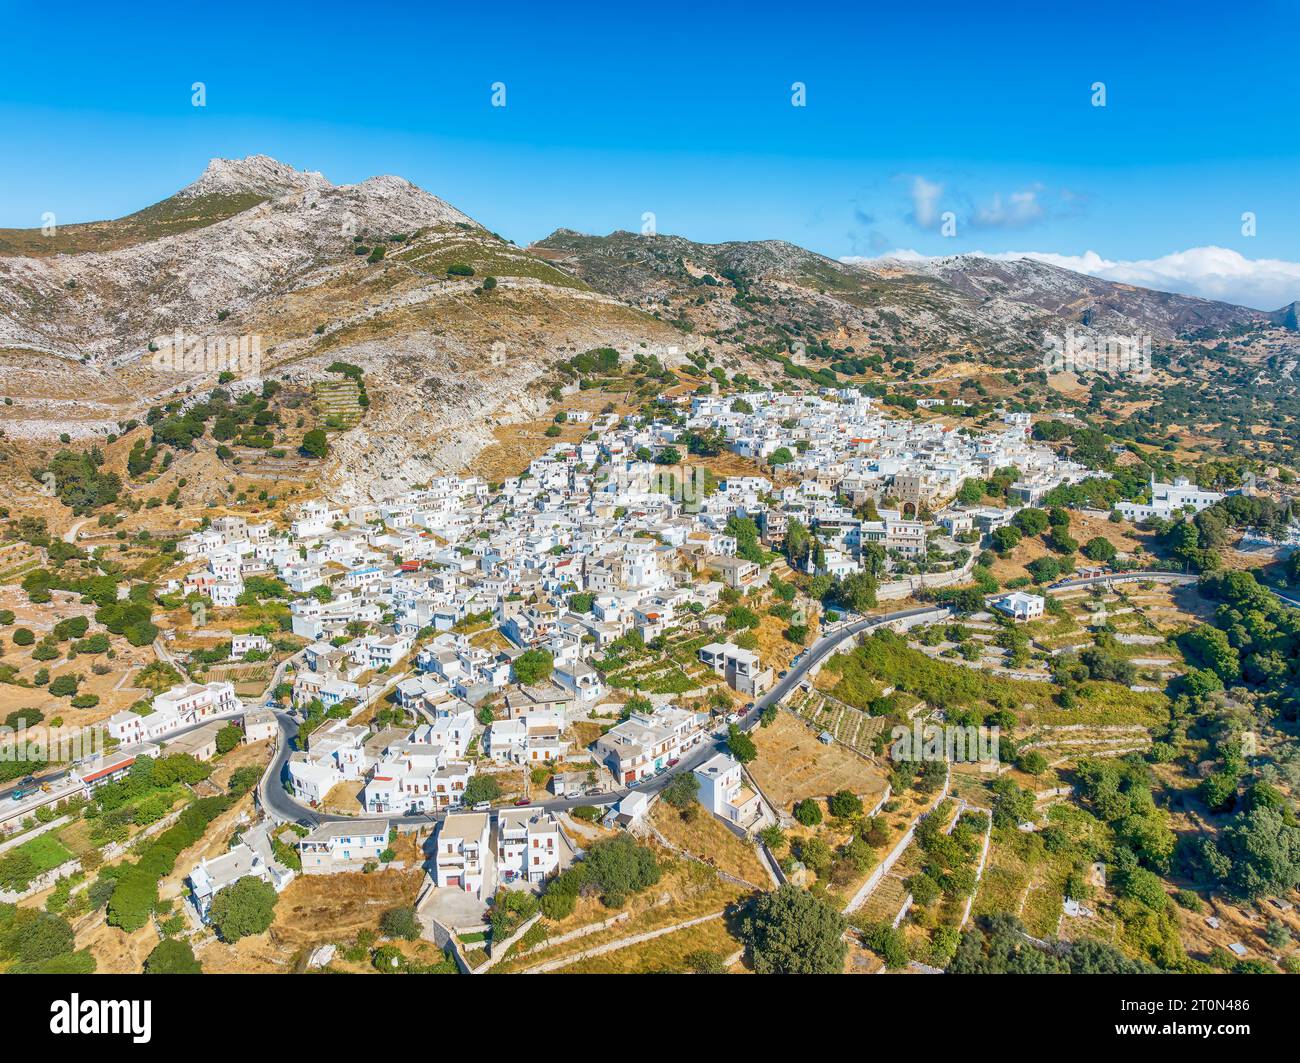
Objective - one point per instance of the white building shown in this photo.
(252, 857)
(645, 743)
(180, 707)
(724, 792)
(334, 847)
(528, 845)
(740, 668)
(1021, 606)
(1168, 500)
(462, 852)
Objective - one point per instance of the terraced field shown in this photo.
(850, 727)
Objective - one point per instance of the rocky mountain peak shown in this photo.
(258, 174)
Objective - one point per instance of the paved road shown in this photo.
(70, 536)
(50, 778)
(63, 773)
(282, 806)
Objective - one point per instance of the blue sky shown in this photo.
(685, 111)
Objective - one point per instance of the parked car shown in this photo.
(483, 806)
(674, 762)
(523, 801)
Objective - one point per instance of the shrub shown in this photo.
(808, 812)
(400, 923)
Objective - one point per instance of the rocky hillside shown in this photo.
(750, 292)
(378, 274)
(386, 277)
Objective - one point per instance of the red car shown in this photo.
(523, 801)
(674, 762)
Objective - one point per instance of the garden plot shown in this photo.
(849, 726)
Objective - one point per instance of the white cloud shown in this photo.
(1018, 210)
(925, 198)
(1209, 272)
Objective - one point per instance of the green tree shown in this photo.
(533, 666)
(1099, 549)
(244, 908)
(481, 788)
(315, 444)
(1030, 521)
(789, 931)
(845, 803)
(683, 790)
(808, 812)
(228, 738)
(1004, 538)
(172, 956)
(741, 745)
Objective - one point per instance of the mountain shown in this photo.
(256, 248)
(1079, 298)
(389, 278)
(960, 303)
(1288, 317)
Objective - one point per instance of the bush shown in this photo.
(790, 931)
(808, 812)
(844, 804)
(400, 923)
(315, 444)
(703, 961)
(172, 957)
(65, 686)
(533, 666)
(244, 908)
(24, 718)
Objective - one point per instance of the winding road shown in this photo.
(275, 801)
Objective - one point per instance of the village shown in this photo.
(469, 661)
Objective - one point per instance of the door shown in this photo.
(453, 881)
